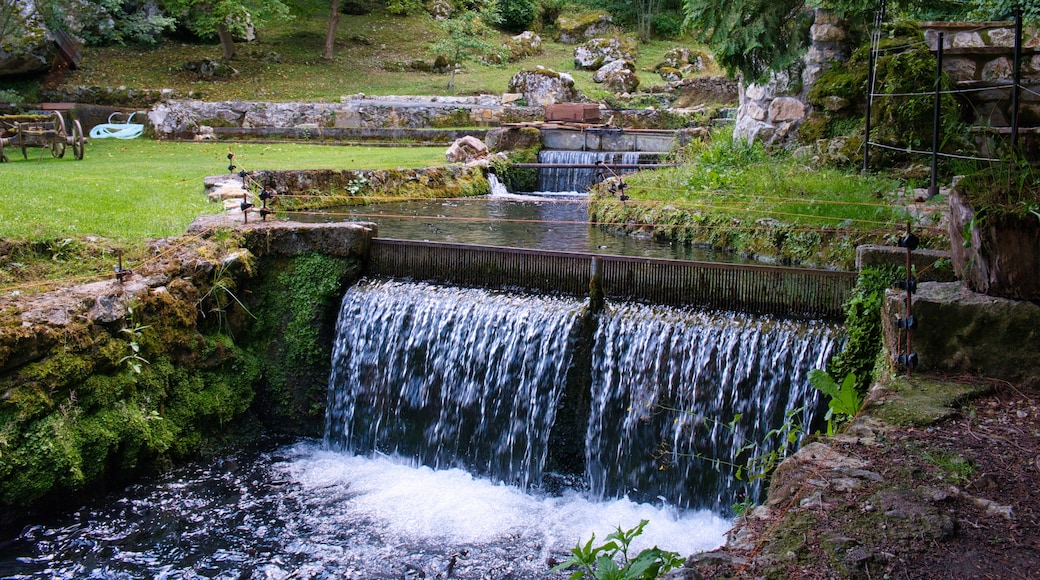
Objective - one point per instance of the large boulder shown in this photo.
(524, 45)
(619, 75)
(572, 29)
(669, 74)
(466, 149)
(541, 86)
(440, 9)
(687, 62)
(597, 52)
(610, 68)
(28, 46)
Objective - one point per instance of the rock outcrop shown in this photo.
(28, 47)
(619, 75)
(598, 52)
(542, 86)
(583, 26)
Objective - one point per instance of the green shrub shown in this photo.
(517, 15)
(863, 324)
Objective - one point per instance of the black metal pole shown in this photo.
(933, 187)
(870, 97)
(1017, 79)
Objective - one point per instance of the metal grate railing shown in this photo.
(791, 292)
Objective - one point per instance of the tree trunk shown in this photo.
(330, 35)
(227, 42)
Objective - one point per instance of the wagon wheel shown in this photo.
(58, 141)
(77, 139)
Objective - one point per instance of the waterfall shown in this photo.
(669, 385)
(497, 187)
(451, 377)
(578, 179)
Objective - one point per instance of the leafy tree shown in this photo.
(752, 37)
(469, 37)
(755, 37)
(647, 10)
(226, 18)
(96, 21)
(1005, 10)
(121, 21)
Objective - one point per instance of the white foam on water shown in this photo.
(419, 505)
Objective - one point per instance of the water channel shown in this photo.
(539, 220)
(442, 409)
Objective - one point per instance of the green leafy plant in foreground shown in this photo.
(601, 563)
(844, 401)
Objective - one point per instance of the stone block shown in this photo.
(960, 69)
(967, 40)
(786, 109)
(959, 331)
(1002, 37)
(1000, 68)
(753, 110)
(827, 33)
(927, 264)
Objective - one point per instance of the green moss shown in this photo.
(516, 178)
(581, 19)
(84, 414)
(458, 118)
(296, 303)
(920, 401)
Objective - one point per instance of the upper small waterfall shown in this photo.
(580, 178)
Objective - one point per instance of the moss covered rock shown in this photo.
(575, 28)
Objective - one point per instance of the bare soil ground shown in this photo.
(936, 479)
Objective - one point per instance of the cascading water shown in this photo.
(451, 377)
(464, 378)
(578, 178)
(675, 390)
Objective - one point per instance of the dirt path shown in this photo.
(936, 479)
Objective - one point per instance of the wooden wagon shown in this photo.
(40, 131)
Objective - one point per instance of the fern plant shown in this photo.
(610, 561)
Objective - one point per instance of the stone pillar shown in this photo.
(771, 113)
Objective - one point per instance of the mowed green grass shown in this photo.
(141, 189)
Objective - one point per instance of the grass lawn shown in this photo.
(62, 218)
(126, 190)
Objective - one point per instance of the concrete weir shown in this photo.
(607, 139)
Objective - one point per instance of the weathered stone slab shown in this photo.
(960, 331)
(928, 264)
(289, 238)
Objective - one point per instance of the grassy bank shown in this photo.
(734, 195)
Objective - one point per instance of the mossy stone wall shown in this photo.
(227, 337)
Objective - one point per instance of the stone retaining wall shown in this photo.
(964, 332)
(980, 55)
(190, 119)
